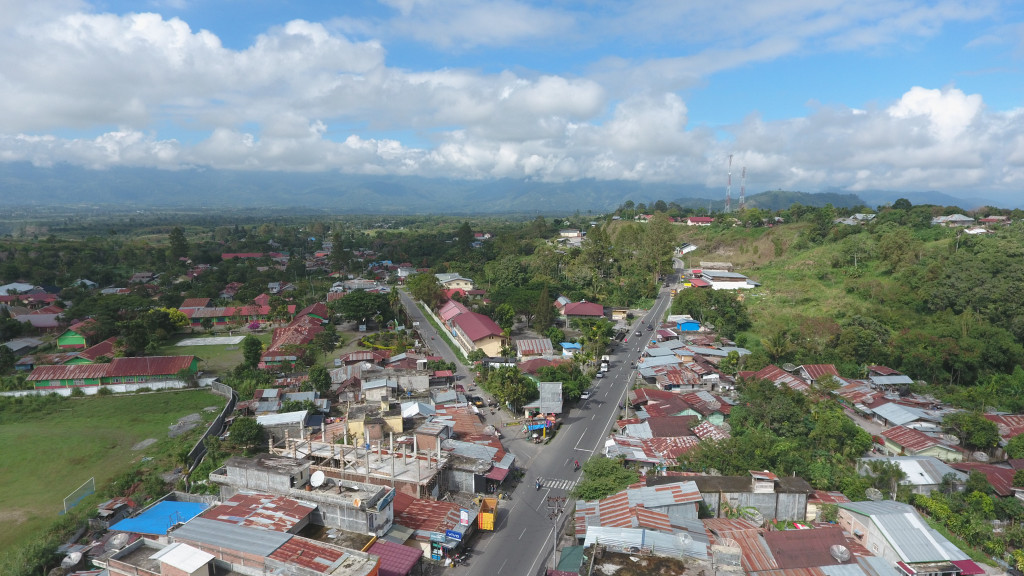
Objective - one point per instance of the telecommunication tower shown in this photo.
(743, 189)
(728, 189)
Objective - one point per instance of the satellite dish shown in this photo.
(788, 367)
(755, 516)
(980, 456)
(317, 479)
(839, 552)
(728, 543)
(117, 542)
(356, 502)
(685, 539)
(873, 494)
(71, 560)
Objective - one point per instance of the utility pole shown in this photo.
(555, 505)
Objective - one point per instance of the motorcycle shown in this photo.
(538, 484)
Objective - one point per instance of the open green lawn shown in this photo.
(216, 359)
(48, 453)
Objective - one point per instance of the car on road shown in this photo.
(600, 374)
(585, 395)
(650, 327)
(637, 333)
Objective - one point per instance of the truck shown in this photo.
(606, 362)
(488, 510)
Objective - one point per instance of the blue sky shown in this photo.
(806, 94)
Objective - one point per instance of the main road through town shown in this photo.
(524, 535)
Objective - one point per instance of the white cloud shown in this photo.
(304, 97)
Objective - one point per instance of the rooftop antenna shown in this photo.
(728, 190)
(743, 189)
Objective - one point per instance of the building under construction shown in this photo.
(403, 464)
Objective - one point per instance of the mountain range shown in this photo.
(25, 185)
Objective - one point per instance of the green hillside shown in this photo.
(932, 302)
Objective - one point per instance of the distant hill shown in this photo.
(776, 200)
(22, 184)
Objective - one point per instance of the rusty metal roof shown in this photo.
(149, 365)
(75, 372)
(261, 511)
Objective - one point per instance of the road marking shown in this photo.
(502, 566)
(522, 533)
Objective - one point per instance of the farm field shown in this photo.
(51, 446)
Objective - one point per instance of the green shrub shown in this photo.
(77, 392)
(104, 391)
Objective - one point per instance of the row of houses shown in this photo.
(728, 525)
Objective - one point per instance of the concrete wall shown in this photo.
(772, 506)
(872, 538)
(419, 383)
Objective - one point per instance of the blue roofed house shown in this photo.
(570, 348)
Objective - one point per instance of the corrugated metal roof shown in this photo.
(395, 559)
(183, 557)
(921, 470)
(534, 346)
(660, 544)
(894, 380)
(912, 440)
(910, 537)
(73, 372)
(149, 365)
(899, 414)
(852, 569)
(286, 418)
(316, 556)
(261, 511)
(241, 538)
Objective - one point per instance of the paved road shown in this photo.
(523, 538)
(433, 340)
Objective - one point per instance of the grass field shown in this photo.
(216, 359)
(49, 453)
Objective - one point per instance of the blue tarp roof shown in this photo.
(159, 518)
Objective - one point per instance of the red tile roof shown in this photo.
(149, 365)
(780, 376)
(274, 513)
(583, 309)
(426, 515)
(105, 348)
(805, 548)
(699, 283)
(883, 371)
(195, 303)
(669, 426)
(815, 371)
(533, 366)
(1000, 478)
(318, 309)
(910, 440)
(395, 559)
(477, 326)
(317, 556)
(1010, 425)
(76, 372)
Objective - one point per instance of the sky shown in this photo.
(803, 95)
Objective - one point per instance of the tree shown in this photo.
(206, 323)
(603, 477)
(425, 287)
(179, 245)
(320, 379)
(974, 430)
(247, 433)
(359, 305)
(505, 316)
(543, 311)
(7, 359)
(1015, 449)
(252, 350)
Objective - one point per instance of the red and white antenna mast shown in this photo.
(728, 190)
(743, 190)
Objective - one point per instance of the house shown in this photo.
(78, 335)
(135, 370)
(423, 520)
(265, 511)
(725, 280)
(924, 474)
(22, 346)
(901, 440)
(699, 221)
(583, 309)
(475, 331)
(570, 348)
(379, 389)
(658, 508)
(896, 532)
(526, 347)
(779, 497)
(684, 323)
(814, 372)
(570, 233)
(952, 221)
(453, 280)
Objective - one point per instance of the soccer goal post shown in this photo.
(87, 488)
